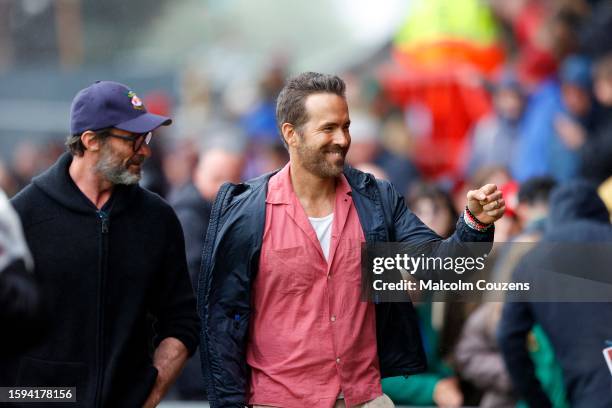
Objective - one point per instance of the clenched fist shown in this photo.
(486, 204)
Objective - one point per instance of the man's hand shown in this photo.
(447, 393)
(486, 204)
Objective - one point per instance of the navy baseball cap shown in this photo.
(106, 104)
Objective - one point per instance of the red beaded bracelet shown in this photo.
(473, 222)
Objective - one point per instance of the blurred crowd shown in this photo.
(547, 123)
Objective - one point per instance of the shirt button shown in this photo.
(338, 360)
(333, 318)
(328, 276)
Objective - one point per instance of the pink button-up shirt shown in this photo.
(310, 336)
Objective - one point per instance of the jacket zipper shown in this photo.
(104, 228)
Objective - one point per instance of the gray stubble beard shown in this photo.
(114, 171)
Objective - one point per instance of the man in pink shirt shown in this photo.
(279, 293)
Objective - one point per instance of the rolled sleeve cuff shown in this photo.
(469, 234)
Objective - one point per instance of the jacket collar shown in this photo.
(360, 182)
(59, 186)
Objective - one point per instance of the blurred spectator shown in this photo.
(495, 136)
(434, 207)
(532, 151)
(19, 297)
(575, 119)
(477, 355)
(491, 174)
(266, 152)
(179, 163)
(7, 182)
(153, 177)
(558, 116)
(595, 32)
(577, 330)
(597, 149)
(532, 215)
(479, 361)
(193, 204)
(50, 152)
(259, 122)
(605, 192)
(264, 158)
(366, 148)
(532, 208)
(25, 163)
(365, 140)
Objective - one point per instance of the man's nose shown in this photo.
(144, 150)
(342, 137)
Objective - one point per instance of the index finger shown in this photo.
(488, 188)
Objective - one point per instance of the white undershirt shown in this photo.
(323, 229)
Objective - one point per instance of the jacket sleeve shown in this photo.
(194, 234)
(409, 229)
(175, 306)
(19, 309)
(224, 304)
(412, 390)
(516, 322)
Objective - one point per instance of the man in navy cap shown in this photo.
(110, 260)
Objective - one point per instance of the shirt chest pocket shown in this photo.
(289, 270)
(351, 259)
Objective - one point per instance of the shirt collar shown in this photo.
(280, 189)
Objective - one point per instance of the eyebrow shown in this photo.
(326, 124)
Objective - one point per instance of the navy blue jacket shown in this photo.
(231, 258)
(577, 330)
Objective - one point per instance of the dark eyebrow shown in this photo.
(328, 124)
(333, 124)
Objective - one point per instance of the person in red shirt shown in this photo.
(298, 334)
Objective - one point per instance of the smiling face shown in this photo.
(118, 163)
(321, 144)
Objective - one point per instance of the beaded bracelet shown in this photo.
(473, 222)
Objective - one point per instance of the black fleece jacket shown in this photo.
(104, 277)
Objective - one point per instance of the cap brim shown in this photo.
(147, 122)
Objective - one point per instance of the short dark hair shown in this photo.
(290, 104)
(75, 144)
(536, 190)
(433, 192)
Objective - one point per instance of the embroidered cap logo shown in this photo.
(136, 101)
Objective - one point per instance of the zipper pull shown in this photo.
(104, 217)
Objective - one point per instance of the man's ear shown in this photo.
(90, 141)
(289, 134)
